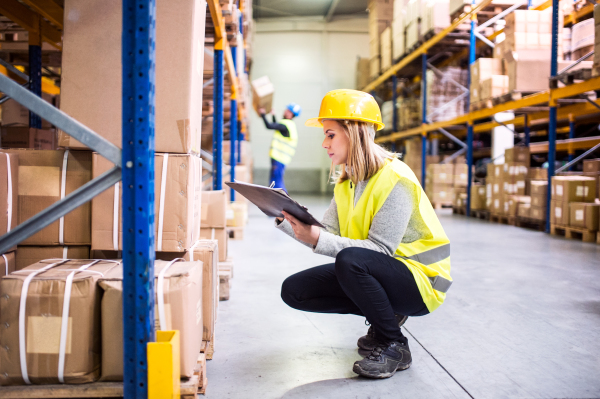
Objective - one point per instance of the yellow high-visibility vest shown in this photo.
(283, 148)
(427, 258)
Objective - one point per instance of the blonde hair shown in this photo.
(365, 157)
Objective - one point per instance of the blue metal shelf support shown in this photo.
(527, 130)
(233, 129)
(218, 121)
(472, 55)
(35, 81)
(571, 136)
(138, 191)
(552, 113)
(424, 118)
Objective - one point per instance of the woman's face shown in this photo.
(336, 142)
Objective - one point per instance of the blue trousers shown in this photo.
(277, 172)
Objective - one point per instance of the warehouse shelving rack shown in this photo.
(551, 98)
(133, 164)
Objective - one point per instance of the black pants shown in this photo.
(361, 282)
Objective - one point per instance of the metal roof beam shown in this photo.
(49, 10)
(331, 11)
(23, 16)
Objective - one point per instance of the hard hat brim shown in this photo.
(315, 122)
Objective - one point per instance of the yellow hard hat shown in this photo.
(348, 104)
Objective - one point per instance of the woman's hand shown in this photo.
(304, 232)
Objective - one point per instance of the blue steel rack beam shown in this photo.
(472, 55)
(552, 112)
(138, 192)
(233, 126)
(35, 70)
(218, 118)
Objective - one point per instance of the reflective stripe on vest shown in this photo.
(428, 258)
(283, 148)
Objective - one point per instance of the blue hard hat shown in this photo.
(294, 109)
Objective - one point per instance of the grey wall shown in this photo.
(304, 58)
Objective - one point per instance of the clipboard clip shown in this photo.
(272, 184)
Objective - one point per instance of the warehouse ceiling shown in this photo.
(330, 9)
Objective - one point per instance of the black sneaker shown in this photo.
(369, 342)
(384, 361)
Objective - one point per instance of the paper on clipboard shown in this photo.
(271, 201)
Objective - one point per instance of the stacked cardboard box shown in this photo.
(495, 86)
(508, 179)
(435, 16)
(512, 203)
(567, 190)
(582, 38)
(398, 32)
(380, 18)
(591, 168)
(442, 90)
(412, 156)
(409, 113)
(478, 197)
(44, 177)
(26, 137)
(214, 220)
(539, 196)
(362, 73)
(584, 215)
(386, 49)
(482, 70)
(439, 183)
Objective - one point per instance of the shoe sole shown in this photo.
(367, 374)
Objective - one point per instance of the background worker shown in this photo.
(392, 257)
(285, 140)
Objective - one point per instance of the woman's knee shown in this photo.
(290, 293)
(348, 262)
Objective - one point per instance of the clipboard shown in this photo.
(271, 201)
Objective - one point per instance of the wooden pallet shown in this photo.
(459, 210)
(502, 219)
(573, 233)
(512, 96)
(235, 233)
(530, 223)
(483, 104)
(480, 214)
(575, 76)
(189, 388)
(208, 348)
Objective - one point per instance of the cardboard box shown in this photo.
(494, 86)
(440, 193)
(262, 94)
(519, 154)
(519, 67)
(182, 298)
(461, 175)
(362, 73)
(28, 255)
(584, 215)
(538, 174)
(478, 197)
(214, 209)
(559, 213)
(497, 205)
(573, 189)
(539, 201)
(14, 114)
(514, 201)
(591, 165)
(524, 210)
(26, 137)
(537, 213)
(440, 173)
(7, 263)
(386, 49)
(221, 236)
(9, 191)
(43, 320)
(237, 214)
(91, 80)
(539, 188)
(374, 67)
(41, 185)
(582, 34)
(484, 68)
(178, 183)
(206, 251)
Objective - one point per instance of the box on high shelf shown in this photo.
(177, 193)
(380, 17)
(26, 137)
(92, 48)
(435, 16)
(41, 311)
(374, 67)
(386, 49)
(362, 73)
(573, 189)
(495, 86)
(442, 93)
(483, 69)
(519, 154)
(582, 38)
(596, 65)
(584, 215)
(398, 38)
(46, 176)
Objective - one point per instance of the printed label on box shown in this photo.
(558, 212)
(559, 190)
(579, 214)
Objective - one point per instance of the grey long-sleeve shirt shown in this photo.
(398, 220)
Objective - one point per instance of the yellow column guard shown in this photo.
(163, 366)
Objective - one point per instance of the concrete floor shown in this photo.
(522, 320)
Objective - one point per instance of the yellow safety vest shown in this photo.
(427, 258)
(283, 148)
